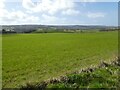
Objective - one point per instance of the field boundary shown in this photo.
(43, 85)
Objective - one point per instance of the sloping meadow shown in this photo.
(32, 58)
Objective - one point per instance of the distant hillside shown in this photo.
(30, 28)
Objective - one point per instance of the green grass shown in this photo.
(105, 77)
(29, 58)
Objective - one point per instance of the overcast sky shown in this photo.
(59, 12)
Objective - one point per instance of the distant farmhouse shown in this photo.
(8, 30)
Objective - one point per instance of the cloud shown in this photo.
(48, 9)
(21, 16)
(49, 19)
(16, 17)
(96, 0)
(3, 11)
(48, 12)
(71, 12)
(95, 15)
(48, 6)
(2, 5)
(28, 4)
(88, 0)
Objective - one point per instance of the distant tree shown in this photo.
(3, 30)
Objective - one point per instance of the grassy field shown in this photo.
(29, 58)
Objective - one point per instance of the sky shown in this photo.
(59, 12)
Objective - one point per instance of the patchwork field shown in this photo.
(30, 58)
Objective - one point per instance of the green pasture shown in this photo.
(31, 58)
